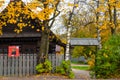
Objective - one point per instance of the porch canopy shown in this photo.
(84, 42)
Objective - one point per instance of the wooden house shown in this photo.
(26, 46)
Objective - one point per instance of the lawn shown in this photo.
(81, 67)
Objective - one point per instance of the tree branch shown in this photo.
(54, 15)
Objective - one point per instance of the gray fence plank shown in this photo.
(53, 62)
(57, 59)
(1, 64)
(5, 65)
(31, 64)
(20, 65)
(17, 66)
(13, 66)
(50, 58)
(28, 66)
(35, 62)
(24, 62)
(61, 58)
(9, 65)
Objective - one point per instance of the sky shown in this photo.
(7, 2)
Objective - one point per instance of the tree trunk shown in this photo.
(44, 44)
(44, 47)
(67, 54)
(115, 20)
(112, 18)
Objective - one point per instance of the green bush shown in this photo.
(65, 69)
(71, 75)
(40, 68)
(44, 67)
(108, 59)
(60, 70)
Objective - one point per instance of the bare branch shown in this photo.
(54, 15)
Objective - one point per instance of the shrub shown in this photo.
(65, 69)
(108, 59)
(71, 75)
(44, 67)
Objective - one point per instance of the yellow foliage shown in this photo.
(71, 4)
(1, 2)
(1, 32)
(103, 27)
(112, 1)
(33, 27)
(91, 62)
(105, 55)
(43, 28)
(17, 12)
(101, 9)
(38, 30)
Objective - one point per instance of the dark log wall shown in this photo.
(26, 45)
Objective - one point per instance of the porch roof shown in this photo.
(84, 42)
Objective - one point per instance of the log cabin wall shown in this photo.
(26, 45)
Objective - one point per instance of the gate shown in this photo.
(23, 65)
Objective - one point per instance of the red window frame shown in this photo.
(14, 49)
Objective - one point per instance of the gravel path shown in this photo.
(79, 75)
(38, 77)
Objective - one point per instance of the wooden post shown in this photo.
(98, 36)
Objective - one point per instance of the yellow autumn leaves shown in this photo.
(18, 13)
(108, 18)
(45, 13)
(1, 2)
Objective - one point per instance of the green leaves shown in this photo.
(45, 67)
(65, 69)
(108, 67)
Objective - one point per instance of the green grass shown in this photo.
(73, 62)
(81, 67)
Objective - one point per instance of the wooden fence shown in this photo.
(24, 65)
(56, 60)
(18, 66)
